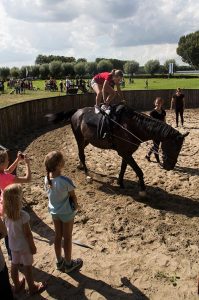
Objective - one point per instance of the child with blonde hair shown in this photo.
(62, 206)
(7, 178)
(20, 239)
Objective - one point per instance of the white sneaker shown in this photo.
(97, 109)
(107, 111)
(104, 107)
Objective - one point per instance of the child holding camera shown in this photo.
(6, 177)
(60, 190)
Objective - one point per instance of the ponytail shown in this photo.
(117, 73)
(48, 178)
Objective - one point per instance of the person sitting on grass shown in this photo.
(20, 239)
(103, 85)
(62, 207)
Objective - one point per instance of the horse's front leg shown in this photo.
(120, 180)
(130, 160)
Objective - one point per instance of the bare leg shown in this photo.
(15, 276)
(98, 90)
(33, 287)
(67, 234)
(58, 238)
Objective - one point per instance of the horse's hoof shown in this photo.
(80, 167)
(88, 179)
(142, 193)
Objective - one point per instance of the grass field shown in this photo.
(139, 84)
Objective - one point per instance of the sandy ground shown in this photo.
(139, 248)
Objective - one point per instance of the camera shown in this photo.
(22, 155)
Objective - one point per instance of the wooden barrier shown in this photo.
(30, 114)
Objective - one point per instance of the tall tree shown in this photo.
(131, 67)
(55, 68)
(91, 68)
(44, 71)
(67, 69)
(4, 72)
(104, 65)
(188, 48)
(152, 66)
(14, 72)
(80, 68)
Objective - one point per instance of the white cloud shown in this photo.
(128, 29)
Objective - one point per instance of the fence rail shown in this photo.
(29, 114)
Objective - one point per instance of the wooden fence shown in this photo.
(30, 114)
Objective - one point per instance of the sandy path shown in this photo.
(141, 248)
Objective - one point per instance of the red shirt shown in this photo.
(101, 77)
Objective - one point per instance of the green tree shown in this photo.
(117, 63)
(79, 68)
(42, 59)
(188, 48)
(81, 60)
(131, 67)
(67, 69)
(91, 68)
(152, 66)
(104, 66)
(55, 68)
(4, 72)
(35, 71)
(14, 72)
(44, 71)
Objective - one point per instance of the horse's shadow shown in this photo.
(156, 198)
(188, 170)
(106, 290)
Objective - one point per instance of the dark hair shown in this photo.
(52, 160)
(117, 73)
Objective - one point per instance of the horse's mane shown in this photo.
(151, 125)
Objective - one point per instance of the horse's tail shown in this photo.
(60, 116)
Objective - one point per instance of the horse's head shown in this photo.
(171, 148)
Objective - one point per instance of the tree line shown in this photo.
(61, 66)
(61, 69)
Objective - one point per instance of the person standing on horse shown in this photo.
(160, 114)
(179, 102)
(103, 85)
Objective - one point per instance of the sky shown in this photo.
(124, 29)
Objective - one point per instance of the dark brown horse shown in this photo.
(126, 135)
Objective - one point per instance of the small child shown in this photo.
(62, 206)
(7, 178)
(20, 239)
(160, 114)
(5, 287)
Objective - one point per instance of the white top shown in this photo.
(16, 237)
(2, 261)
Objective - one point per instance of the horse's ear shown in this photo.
(185, 134)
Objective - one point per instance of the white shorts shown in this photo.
(93, 82)
(22, 257)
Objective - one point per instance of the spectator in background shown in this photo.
(61, 85)
(68, 83)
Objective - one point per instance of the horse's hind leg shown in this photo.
(82, 165)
